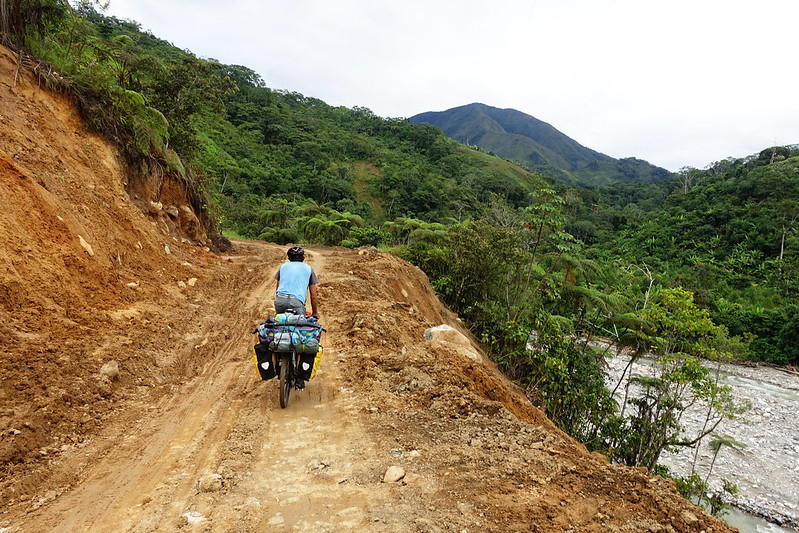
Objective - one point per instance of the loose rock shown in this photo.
(110, 370)
(210, 483)
(689, 518)
(86, 245)
(393, 474)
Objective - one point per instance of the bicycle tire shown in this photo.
(286, 379)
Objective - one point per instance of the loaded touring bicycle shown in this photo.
(288, 348)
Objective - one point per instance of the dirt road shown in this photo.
(211, 450)
(220, 452)
(129, 400)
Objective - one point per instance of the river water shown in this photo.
(766, 471)
(747, 523)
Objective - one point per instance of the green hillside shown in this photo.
(699, 265)
(267, 163)
(729, 233)
(537, 145)
(346, 159)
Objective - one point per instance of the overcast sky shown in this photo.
(675, 82)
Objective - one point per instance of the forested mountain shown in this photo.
(520, 137)
(281, 160)
(729, 233)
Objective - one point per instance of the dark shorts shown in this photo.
(284, 304)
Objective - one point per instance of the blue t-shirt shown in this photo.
(293, 279)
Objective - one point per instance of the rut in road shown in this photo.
(291, 467)
(216, 453)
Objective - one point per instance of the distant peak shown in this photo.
(520, 137)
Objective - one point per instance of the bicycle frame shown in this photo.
(288, 372)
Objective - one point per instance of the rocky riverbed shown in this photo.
(766, 471)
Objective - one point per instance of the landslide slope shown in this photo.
(185, 437)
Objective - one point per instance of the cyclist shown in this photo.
(294, 279)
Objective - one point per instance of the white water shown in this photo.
(767, 471)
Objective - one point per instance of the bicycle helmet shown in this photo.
(296, 253)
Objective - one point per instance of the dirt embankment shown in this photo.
(129, 400)
(79, 264)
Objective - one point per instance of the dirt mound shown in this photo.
(81, 266)
(129, 400)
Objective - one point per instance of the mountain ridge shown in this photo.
(518, 136)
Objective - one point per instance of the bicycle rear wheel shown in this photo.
(286, 379)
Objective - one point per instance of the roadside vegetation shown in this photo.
(698, 269)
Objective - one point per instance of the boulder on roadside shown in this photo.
(448, 336)
(446, 333)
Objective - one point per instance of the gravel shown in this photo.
(766, 471)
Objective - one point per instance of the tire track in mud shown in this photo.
(304, 468)
(294, 469)
(216, 453)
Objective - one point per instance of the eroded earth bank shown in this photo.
(129, 400)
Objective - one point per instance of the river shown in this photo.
(747, 523)
(766, 471)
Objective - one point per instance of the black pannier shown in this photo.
(265, 361)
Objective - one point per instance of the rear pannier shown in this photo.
(283, 333)
(265, 361)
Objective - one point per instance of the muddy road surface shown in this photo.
(187, 438)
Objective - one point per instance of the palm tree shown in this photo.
(716, 444)
(331, 228)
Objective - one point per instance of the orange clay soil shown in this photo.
(129, 400)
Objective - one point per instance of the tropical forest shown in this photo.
(548, 271)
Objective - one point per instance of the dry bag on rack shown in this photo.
(309, 337)
(284, 333)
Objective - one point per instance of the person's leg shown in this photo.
(285, 304)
